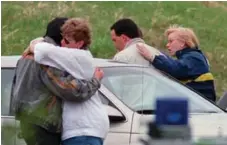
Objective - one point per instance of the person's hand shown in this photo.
(33, 43)
(30, 48)
(98, 73)
(26, 52)
(144, 52)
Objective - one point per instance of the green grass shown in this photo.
(23, 21)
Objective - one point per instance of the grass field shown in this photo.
(23, 21)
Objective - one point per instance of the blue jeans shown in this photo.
(83, 140)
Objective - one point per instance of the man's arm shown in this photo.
(72, 85)
(67, 87)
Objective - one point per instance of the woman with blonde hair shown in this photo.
(191, 66)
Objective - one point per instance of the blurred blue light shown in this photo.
(171, 111)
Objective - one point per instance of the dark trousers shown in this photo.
(36, 135)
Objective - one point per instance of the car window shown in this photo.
(7, 75)
(105, 100)
(139, 88)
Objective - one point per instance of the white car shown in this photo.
(129, 92)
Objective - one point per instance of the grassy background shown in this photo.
(23, 21)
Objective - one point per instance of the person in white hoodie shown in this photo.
(84, 123)
(38, 91)
(126, 35)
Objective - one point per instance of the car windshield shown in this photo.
(139, 87)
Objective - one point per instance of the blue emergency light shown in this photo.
(171, 111)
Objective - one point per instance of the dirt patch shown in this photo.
(213, 4)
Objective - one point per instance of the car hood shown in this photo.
(204, 125)
(201, 124)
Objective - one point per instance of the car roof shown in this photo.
(11, 61)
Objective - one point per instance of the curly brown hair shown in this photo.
(78, 29)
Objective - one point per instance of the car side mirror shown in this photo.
(114, 114)
(222, 102)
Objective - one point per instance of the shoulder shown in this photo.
(37, 39)
(152, 49)
(26, 64)
(121, 56)
(121, 53)
(194, 55)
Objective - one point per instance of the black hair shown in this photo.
(127, 27)
(54, 29)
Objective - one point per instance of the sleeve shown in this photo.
(51, 55)
(71, 60)
(176, 68)
(65, 76)
(66, 86)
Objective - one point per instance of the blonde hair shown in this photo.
(185, 34)
(78, 29)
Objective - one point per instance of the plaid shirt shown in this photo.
(38, 91)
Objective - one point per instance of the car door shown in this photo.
(10, 127)
(120, 125)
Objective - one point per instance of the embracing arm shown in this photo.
(66, 86)
(68, 59)
(65, 74)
